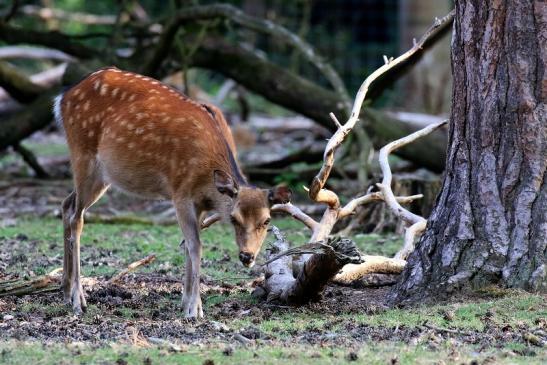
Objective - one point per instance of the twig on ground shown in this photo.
(448, 330)
(132, 267)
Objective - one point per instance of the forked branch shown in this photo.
(317, 192)
(333, 213)
(416, 222)
(385, 186)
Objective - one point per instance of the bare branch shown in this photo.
(33, 117)
(11, 12)
(385, 186)
(410, 234)
(132, 267)
(33, 53)
(31, 160)
(53, 39)
(339, 136)
(371, 264)
(335, 120)
(296, 213)
(260, 25)
(350, 207)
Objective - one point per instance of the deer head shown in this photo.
(249, 213)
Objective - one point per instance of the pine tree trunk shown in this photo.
(489, 225)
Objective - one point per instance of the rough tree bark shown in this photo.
(489, 225)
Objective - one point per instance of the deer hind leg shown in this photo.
(68, 210)
(89, 187)
(188, 221)
(187, 276)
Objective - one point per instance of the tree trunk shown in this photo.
(489, 225)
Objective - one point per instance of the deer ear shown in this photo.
(279, 195)
(225, 184)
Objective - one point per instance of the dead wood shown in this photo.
(95, 218)
(244, 66)
(328, 258)
(237, 16)
(52, 281)
(17, 84)
(40, 284)
(46, 13)
(38, 53)
(33, 117)
(294, 291)
(132, 267)
(374, 280)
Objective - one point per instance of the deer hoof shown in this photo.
(193, 309)
(79, 304)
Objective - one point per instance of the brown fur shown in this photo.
(148, 139)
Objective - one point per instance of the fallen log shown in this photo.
(17, 84)
(52, 282)
(35, 116)
(40, 284)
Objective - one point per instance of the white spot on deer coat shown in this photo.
(104, 89)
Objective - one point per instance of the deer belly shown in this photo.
(134, 176)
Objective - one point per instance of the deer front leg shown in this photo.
(77, 296)
(191, 300)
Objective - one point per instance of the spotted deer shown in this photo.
(137, 134)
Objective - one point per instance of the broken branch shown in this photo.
(210, 220)
(132, 267)
(329, 257)
(31, 160)
(339, 136)
(350, 207)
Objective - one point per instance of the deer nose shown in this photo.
(245, 257)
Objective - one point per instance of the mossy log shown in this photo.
(17, 84)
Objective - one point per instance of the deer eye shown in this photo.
(267, 221)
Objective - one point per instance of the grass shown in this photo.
(16, 352)
(117, 245)
(129, 243)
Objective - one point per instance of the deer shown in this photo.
(148, 139)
